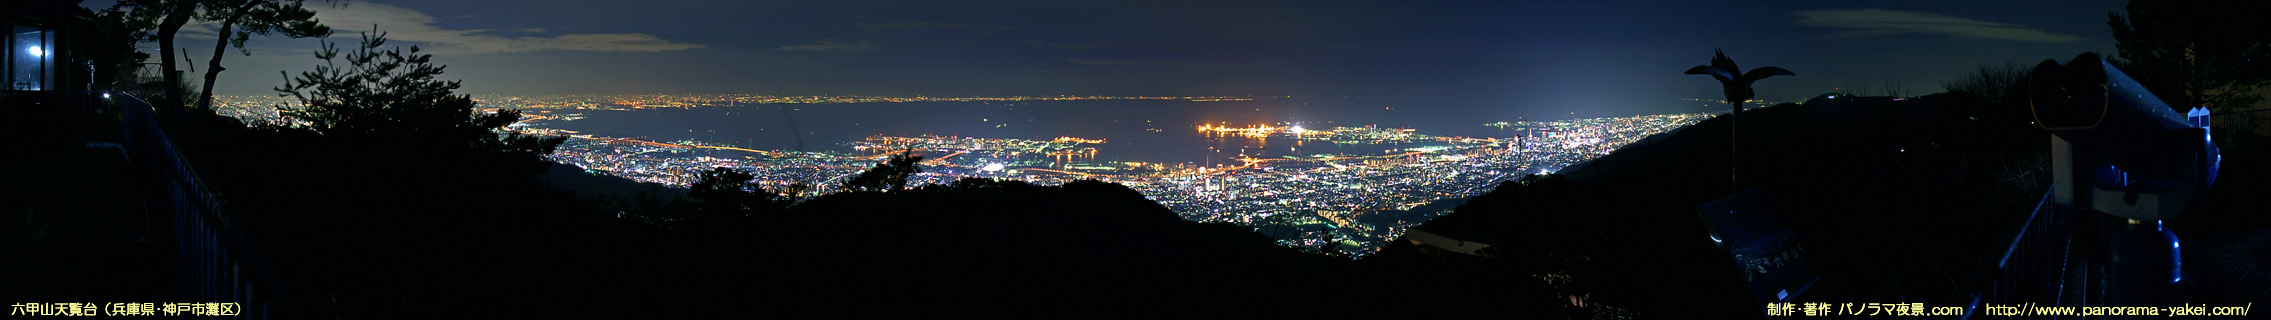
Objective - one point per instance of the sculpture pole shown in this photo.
(1737, 87)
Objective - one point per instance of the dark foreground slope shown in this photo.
(1086, 246)
(1898, 198)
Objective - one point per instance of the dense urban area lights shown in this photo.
(1349, 189)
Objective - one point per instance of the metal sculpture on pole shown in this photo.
(1737, 86)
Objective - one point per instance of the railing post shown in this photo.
(213, 260)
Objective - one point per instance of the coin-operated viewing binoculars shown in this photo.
(2118, 151)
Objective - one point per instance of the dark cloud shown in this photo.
(831, 46)
(916, 25)
(405, 24)
(1099, 45)
(1156, 63)
(1877, 22)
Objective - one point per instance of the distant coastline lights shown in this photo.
(1259, 130)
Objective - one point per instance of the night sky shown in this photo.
(1496, 53)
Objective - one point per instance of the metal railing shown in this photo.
(212, 260)
(2031, 268)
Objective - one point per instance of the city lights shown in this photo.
(1349, 189)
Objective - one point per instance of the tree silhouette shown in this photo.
(890, 175)
(795, 192)
(725, 191)
(241, 19)
(1332, 247)
(1738, 89)
(110, 48)
(160, 20)
(2004, 84)
(2215, 54)
(393, 96)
